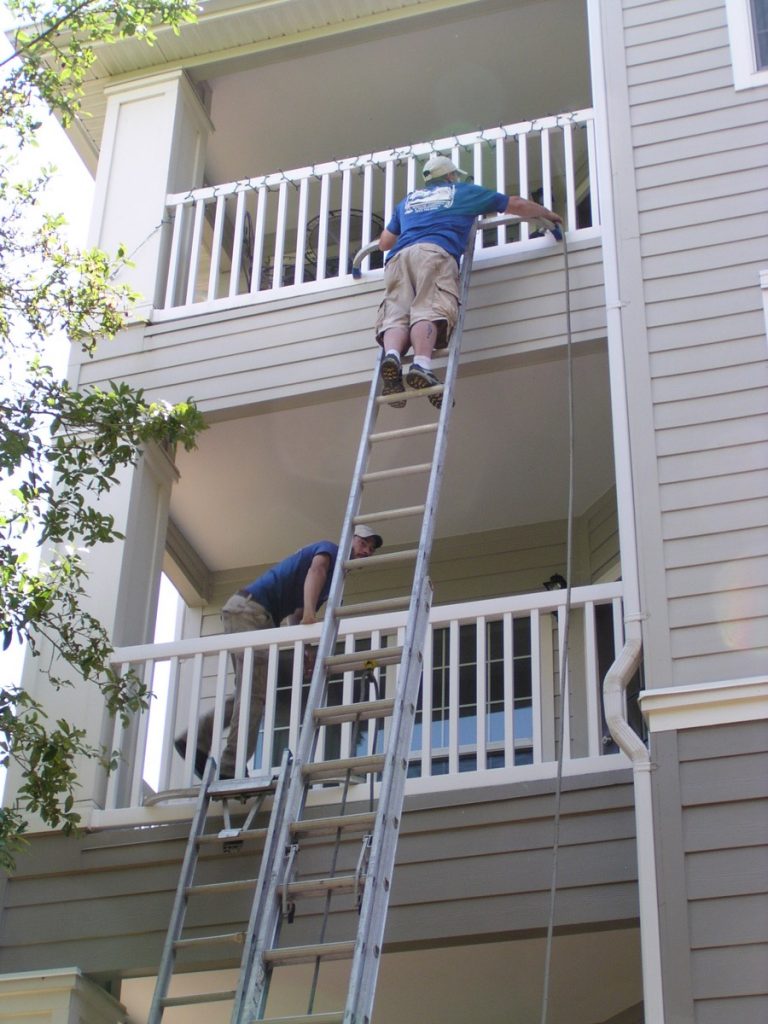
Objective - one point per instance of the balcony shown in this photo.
(295, 232)
(491, 713)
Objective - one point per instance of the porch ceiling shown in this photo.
(260, 487)
(595, 977)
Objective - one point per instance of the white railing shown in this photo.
(249, 240)
(493, 704)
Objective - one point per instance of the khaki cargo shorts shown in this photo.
(422, 283)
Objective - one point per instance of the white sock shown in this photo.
(423, 361)
(393, 352)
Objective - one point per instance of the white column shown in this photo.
(154, 140)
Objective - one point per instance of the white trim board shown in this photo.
(718, 703)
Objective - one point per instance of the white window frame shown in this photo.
(743, 51)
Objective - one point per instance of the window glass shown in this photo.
(760, 29)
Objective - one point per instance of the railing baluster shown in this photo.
(258, 239)
(522, 173)
(481, 691)
(246, 688)
(322, 240)
(268, 714)
(169, 726)
(389, 190)
(426, 708)
(237, 245)
(541, 703)
(294, 718)
(301, 231)
(410, 174)
(346, 202)
(115, 778)
(279, 252)
(453, 697)
(175, 256)
(194, 255)
(591, 679)
(367, 211)
(546, 168)
(218, 234)
(508, 649)
(594, 196)
(570, 188)
(193, 718)
(219, 705)
(565, 687)
(501, 182)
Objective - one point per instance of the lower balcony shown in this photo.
(490, 714)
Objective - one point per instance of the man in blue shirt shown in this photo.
(426, 239)
(288, 594)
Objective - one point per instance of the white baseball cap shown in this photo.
(439, 167)
(364, 531)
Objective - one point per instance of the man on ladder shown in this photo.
(426, 238)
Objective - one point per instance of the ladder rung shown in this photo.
(335, 1017)
(246, 835)
(375, 561)
(213, 887)
(203, 940)
(392, 435)
(391, 474)
(387, 604)
(307, 954)
(200, 997)
(362, 711)
(436, 389)
(309, 887)
(392, 513)
(359, 823)
(367, 765)
(364, 659)
(225, 789)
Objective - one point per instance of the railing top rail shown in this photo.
(384, 156)
(546, 601)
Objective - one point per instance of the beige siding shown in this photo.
(699, 153)
(470, 863)
(233, 360)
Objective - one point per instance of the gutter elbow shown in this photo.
(614, 686)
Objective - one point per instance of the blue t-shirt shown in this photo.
(281, 589)
(443, 213)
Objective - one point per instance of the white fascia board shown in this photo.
(717, 703)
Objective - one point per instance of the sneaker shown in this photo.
(418, 377)
(392, 375)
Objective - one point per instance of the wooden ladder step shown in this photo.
(393, 474)
(353, 660)
(362, 711)
(211, 888)
(319, 771)
(199, 997)
(309, 887)
(308, 954)
(227, 789)
(204, 940)
(348, 823)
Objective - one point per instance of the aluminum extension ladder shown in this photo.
(277, 888)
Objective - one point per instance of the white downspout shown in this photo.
(625, 665)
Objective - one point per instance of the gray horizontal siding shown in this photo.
(272, 351)
(699, 150)
(724, 791)
(469, 866)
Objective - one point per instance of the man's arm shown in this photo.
(313, 586)
(528, 210)
(386, 240)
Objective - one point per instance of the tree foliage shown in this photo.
(61, 447)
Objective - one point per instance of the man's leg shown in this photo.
(241, 615)
(424, 336)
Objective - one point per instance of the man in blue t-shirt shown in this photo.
(426, 239)
(288, 594)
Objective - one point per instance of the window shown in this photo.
(748, 31)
